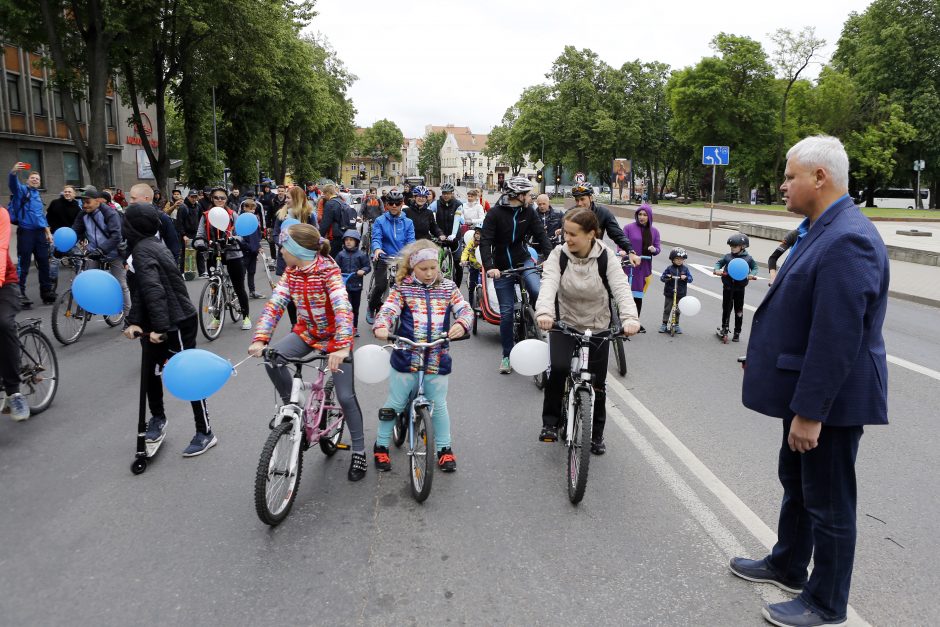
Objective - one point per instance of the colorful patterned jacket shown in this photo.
(324, 315)
(423, 313)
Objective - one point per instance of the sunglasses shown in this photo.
(394, 204)
(219, 198)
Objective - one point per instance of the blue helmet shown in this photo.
(420, 190)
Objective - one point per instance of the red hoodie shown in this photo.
(8, 274)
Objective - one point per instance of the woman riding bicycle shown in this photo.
(580, 296)
(313, 282)
(424, 306)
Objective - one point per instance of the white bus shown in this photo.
(896, 198)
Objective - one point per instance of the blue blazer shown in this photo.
(816, 347)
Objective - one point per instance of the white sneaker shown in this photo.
(215, 324)
(3, 401)
(19, 408)
(246, 324)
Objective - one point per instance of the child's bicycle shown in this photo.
(414, 424)
(577, 409)
(297, 426)
(218, 294)
(68, 318)
(620, 355)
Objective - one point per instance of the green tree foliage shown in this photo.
(384, 139)
(429, 155)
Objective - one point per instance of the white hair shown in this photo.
(826, 152)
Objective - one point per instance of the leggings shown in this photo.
(293, 346)
(9, 342)
(236, 270)
(561, 349)
(400, 387)
(355, 298)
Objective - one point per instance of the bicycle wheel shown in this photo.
(232, 304)
(39, 369)
(68, 319)
(579, 453)
(620, 356)
(532, 331)
(211, 305)
(422, 455)
(329, 441)
(400, 428)
(275, 484)
(113, 321)
(447, 264)
(267, 271)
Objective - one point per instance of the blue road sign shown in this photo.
(715, 155)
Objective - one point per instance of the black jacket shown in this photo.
(425, 224)
(551, 221)
(62, 212)
(506, 230)
(609, 225)
(159, 300)
(446, 212)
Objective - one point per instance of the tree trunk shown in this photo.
(282, 171)
(272, 132)
(189, 105)
(159, 163)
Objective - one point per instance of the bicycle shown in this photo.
(391, 272)
(524, 325)
(620, 355)
(577, 409)
(68, 318)
(218, 294)
(416, 427)
(296, 427)
(39, 366)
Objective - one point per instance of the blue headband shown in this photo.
(297, 250)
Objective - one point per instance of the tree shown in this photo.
(429, 155)
(384, 139)
(873, 150)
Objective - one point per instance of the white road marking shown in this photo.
(725, 540)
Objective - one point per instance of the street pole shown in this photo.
(711, 212)
(215, 132)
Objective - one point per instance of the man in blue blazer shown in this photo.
(816, 359)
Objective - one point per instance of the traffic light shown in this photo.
(362, 175)
(557, 179)
(538, 176)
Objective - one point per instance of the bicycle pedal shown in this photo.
(342, 446)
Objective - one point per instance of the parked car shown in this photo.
(670, 196)
(356, 195)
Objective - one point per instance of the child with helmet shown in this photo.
(732, 293)
(677, 268)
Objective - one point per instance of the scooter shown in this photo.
(145, 450)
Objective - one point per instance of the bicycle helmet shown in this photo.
(420, 190)
(739, 239)
(519, 185)
(582, 189)
(447, 188)
(394, 195)
(678, 252)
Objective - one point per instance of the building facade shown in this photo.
(33, 129)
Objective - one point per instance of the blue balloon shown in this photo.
(64, 239)
(98, 292)
(195, 374)
(738, 269)
(246, 224)
(533, 254)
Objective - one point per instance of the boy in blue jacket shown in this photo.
(250, 245)
(354, 263)
(732, 293)
(677, 257)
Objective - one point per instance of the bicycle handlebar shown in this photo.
(568, 329)
(441, 341)
(535, 268)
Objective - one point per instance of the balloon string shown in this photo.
(235, 367)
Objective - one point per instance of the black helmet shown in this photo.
(678, 252)
(447, 187)
(582, 189)
(739, 239)
(395, 195)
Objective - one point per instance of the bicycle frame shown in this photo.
(579, 379)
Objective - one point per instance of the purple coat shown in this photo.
(634, 232)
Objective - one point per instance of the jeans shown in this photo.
(157, 355)
(506, 293)
(281, 376)
(817, 518)
(31, 242)
(9, 344)
(119, 272)
(400, 386)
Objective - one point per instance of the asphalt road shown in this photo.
(689, 481)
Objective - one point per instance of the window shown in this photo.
(39, 103)
(72, 168)
(33, 157)
(109, 113)
(78, 110)
(57, 104)
(14, 98)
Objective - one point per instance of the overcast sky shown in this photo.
(475, 57)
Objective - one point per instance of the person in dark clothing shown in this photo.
(786, 244)
(164, 319)
(188, 217)
(732, 294)
(422, 217)
(354, 264)
(584, 197)
(63, 210)
(678, 288)
(250, 245)
(449, 216)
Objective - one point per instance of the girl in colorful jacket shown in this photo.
(313, 282)
(424, 306)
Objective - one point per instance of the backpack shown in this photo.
(601, 269)
(15, 208)
(348, 215)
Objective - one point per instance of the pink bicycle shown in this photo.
(297, 426)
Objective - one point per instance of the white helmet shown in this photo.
(519, 185)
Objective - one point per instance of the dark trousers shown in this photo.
(380, 282)
(355, 298)
(157, 356)
(561, 349)
(667, 309)
(9, 344)
(817, 518)
(200, 263)
(732, 297)
(236, 271)
(31, 242)
(250, 261)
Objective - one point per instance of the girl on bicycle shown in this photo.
(313, 282)
(580, 297)
(424, 306)
(298, 207)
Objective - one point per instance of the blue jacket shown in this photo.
(391, 233)
(31, 214)
(351, 261)
(816, 347)
(682, 287)
(102, 229)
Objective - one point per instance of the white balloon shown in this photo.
(529, 357)
(218, 217)
(690, 305)
(373, 363)
(468, 237)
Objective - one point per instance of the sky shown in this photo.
(475, 57)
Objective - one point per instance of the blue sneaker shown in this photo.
(200, 443)
(678, 330)
(795, 613)
(156, 429)
(760, 572)
(18, 406)
(370, 316)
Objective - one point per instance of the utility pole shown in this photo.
(215, 132)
